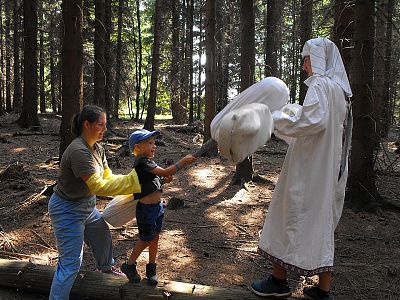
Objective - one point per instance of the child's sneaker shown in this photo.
(316, 294)
(151, 273)
(267, 288)
(130, 272)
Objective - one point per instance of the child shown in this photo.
(150, 210)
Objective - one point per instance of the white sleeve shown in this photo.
(309, 119)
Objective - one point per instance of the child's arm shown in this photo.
(172, 169)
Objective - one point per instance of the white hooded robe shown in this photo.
(307, 203)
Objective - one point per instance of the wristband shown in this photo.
(177, 166)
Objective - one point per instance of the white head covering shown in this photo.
(326, 61)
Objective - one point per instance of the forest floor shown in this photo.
(213, 238)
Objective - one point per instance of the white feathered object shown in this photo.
(120, 210)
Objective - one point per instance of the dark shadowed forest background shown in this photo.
(172, 65)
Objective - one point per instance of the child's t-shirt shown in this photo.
(150, 182)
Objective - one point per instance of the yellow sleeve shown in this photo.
(108, 174)
(114, 185)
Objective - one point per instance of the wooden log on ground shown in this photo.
(95, 285)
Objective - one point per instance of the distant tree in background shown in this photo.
(155, 63)
(29, 113)
(210, 80)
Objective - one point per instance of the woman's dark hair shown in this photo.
(89, 113)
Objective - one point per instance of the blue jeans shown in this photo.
(76, 222)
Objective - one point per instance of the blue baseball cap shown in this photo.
(140, 135)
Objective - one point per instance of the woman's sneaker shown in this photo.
(267, 288)
(130, 272)
(151, 273)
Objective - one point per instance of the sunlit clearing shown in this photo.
(19, 150)
(204, 177)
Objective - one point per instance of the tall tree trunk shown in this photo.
(138, 60)
(42, 102)
(387, 111)
(53, 55)
(244, 169)
(293, 87)
(7, 45)
(29, 117)
(117, 85)
(72, 73)
(17, 97)
(2, 97)
(175, 62)
(306, 17)
(99, 57)
(155, 67)
(226, 57)
(200, 67)
(183, 91)
(274, 15)
(190, 57)
(210, 80)
(108, 60)
(379, 64)
(220, 25)
(362, 192)
(343, 30)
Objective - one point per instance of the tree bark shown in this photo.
(108, 60)
(7, 46)
(306, 17)
(155, 63)
(210, 81)
(97, 285)
(362, 193)
(2, 96)
(379, 64)
(190, 58)
(244, 169)
(53, 59)
(17, 97)
(387, 111)
(99, 54)
(29, 115)
(274, 15)
(72, 73)
(175, 62)
(42, 102)
(139, 61)
(118, 60)
(200, 67)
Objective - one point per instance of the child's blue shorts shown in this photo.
(149, 219)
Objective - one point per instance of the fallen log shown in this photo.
(95, 285)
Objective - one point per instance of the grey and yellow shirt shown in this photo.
(79, 160)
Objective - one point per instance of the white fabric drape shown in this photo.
(245, 124)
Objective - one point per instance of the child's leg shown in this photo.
(137, 250)
(325, 281)
(153, 248)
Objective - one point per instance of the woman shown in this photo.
(84, 173)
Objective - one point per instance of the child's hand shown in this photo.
(188, 159)
(168, 179)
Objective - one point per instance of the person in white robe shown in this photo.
(298, 232)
